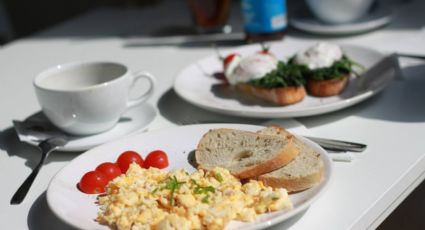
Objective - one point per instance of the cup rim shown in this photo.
(57, 68)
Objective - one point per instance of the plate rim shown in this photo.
(300, 112)
(323, 186)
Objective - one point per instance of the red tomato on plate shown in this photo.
(93, 182)
(228, 59)
(128, 157)
(156, 159)
(109, 169)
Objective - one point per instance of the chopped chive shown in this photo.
(219, 177)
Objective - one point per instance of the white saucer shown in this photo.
(133, 121)
(378, 17)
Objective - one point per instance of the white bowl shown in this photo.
(339, 11)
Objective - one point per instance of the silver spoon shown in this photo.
(46, 146)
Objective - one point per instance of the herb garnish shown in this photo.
(338, 69)
(205, 199)
(283, 76)
(173, 185)
(203, 190)
(219, 177)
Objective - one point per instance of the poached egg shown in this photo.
(255, 66)
(321, 55)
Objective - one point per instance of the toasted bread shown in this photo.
(326, 88)
(245, 154)
(279, 95)
(305, 171)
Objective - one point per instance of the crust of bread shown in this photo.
(288, 153)
(294, 184)
(326, 88)
(279, 95)
(290, 182)
(285, 155)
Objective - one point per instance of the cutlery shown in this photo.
(47, 144)
(221, 39)
(338, 145)
(416, 56)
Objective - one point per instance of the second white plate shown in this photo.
(197, 85)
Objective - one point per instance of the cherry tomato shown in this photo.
(93, 182)
(156, 159)
(128, 157)
(109, 169)
(228, 59)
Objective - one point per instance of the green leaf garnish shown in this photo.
(173, 185)
(219, 177)
(340, 68)
(205, 199)
(283, 76)
(203, 190)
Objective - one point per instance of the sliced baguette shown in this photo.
(326, 88)
(279, 95)
(245, 154)
(305, 171)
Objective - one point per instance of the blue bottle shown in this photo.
(264, 19)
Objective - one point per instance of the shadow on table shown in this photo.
(10, 143)
(401, 101)
(40, 217)
(415, 73)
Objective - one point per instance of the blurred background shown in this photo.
(20, 18)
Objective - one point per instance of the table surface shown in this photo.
(362, 193)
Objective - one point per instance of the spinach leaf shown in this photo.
(340, 68)
(283, 76)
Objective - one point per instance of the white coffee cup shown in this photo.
(85, 98)
(339, 11)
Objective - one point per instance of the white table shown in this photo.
(363, 192)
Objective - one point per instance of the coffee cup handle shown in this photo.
(152, 81)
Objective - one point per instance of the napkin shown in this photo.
(298, 128)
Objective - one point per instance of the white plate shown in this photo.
(375, 19)
(79, 209)
(133, 121)
(196, 85)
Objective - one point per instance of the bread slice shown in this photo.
(245, 154)
(326, 88)
(305, 171)
(279, 95)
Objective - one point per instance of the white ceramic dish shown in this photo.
(79, 209)
(373, 20)
(196, 85)
(133, 121)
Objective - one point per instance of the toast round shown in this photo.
(305, 171)
(326, 88)
(245, 154)
(279, 95)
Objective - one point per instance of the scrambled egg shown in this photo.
(155, 199)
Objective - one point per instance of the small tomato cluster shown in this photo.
(95, 181)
